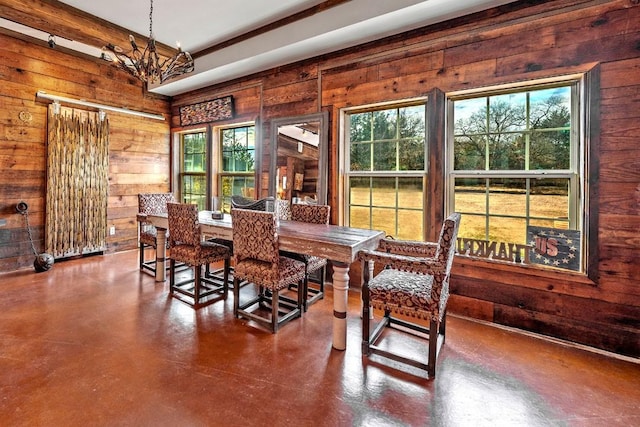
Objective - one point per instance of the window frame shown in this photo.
(583, 159)
(218, 171)
(345, 166)
(180, 172)
(213, 158)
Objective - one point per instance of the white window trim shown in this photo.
(579, 162)
(216, 166)
(344, 154)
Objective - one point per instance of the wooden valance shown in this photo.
(206, 112)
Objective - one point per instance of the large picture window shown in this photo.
(216, 161)
(237, 173)
(193, 168)
(385, 169)
(516, 169)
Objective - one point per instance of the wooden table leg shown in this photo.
(161, 254)
(340, 299)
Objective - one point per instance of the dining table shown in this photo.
(339, 244)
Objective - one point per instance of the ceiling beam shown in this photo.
(67, 22)
(328, 4)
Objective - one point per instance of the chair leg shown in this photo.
(141, 256)
(302, 297)
(323, 277)
(274, 310)
(236, 296)
(366, 321)
(434, 327)
(305, 291)
(316, 294)
(225, 277)
(196, 286)
(172, 277)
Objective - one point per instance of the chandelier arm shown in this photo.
(147, 65)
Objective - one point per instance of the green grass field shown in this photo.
(410, 213)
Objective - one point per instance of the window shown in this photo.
(193, 168)
(225, 169)
(516, 173)
(237, 173)
(385, 169)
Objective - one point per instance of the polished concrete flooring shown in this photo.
(93, 342)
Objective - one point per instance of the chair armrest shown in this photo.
(406, 247)
(430, 266)
(141, 217)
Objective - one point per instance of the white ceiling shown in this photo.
(198, 24)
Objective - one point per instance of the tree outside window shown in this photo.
(193, 175)
(237, 176)
(516, 163)
(386, 170)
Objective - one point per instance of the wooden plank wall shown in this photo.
(517, 42)
(138, 147)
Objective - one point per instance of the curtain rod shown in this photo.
(45, 95)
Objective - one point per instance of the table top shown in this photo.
(334, 242)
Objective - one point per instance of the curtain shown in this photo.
(77, 181)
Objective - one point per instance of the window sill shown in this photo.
(497, 267)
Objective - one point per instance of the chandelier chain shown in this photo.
(151, 20)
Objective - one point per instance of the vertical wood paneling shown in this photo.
(28, 67)
(517, 42)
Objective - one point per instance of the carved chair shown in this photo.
(150, 204)
(242, 202)
(188, 247)
(314, 214)
(413, 285)
(283, 209)
(257, 260)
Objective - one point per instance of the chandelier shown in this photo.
(148, 65)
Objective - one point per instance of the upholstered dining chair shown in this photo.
(188, 247)
(314, 214)
(412, 290)
(283, 209)
(242, 202)
(257, 260)
(150, 204)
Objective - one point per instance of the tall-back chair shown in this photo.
(314, 214)
(283, 209)
(150, 204)
(241, 202)
(188, 247)
(414, 285)
(257, 260)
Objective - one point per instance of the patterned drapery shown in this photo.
(77, 181)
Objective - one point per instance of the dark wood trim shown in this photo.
(64, 21)
(435, 144)
(270, 27)
(592, 141)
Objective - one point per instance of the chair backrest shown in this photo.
(315, 214)
(445, 254)
(310, 200)
(254, 236)
(447, 239)
(154, 203)
(241, 202)
(183, 224)
(283, 209)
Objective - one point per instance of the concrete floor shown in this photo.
(93, 342)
